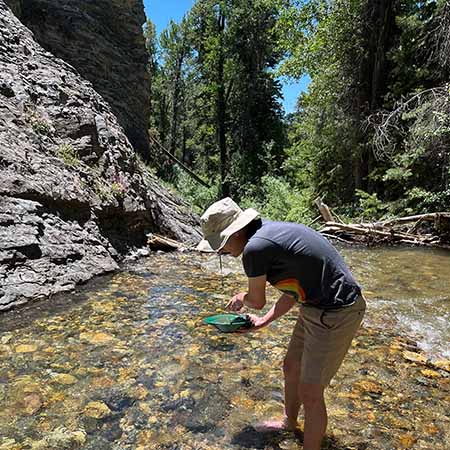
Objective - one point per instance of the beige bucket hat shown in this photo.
(220, 221)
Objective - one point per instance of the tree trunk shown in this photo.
(175, 96)
(221, 113)
(379, 22)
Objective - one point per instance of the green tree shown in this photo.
(365, 60)
(236, 52)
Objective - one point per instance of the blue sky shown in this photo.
(161, 11)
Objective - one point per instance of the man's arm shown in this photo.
(281, 307)
(254, 298)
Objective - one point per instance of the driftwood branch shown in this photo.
(421, 217)
(431, 230)
(324, 210)
(157, 242)
(385, 234)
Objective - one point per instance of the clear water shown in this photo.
(126, 363)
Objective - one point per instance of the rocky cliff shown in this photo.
(73, 193)
(103, 40)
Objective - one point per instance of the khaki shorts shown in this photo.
(321, 339)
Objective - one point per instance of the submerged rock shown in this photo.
(26, 348)
(97, 410)
(96, 338)
(64, 378)
(61, 439)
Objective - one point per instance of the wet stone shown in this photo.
(117, 399)
(97, 410)
(64, 378)
(111, 431)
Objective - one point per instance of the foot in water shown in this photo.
(283, 424)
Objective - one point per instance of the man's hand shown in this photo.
(257, 323)
(281, 307)
(236, 303)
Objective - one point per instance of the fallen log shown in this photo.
(422, 217)
(157, 242)
(376, 233)
(337, 238)
(360, 229)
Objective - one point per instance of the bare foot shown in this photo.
(283, 424)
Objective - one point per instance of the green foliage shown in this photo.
(216, 102)
(150, 45)
(69, 155)
(421, 200)
(41, 126)
(362, 58)
(371, 206)
(117, 190)
(216, 105)
(279, 201)
(200, 197)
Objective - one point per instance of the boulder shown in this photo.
(74, 194)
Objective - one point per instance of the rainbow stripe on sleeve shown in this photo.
(291, 287)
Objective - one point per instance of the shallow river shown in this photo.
(125, 363)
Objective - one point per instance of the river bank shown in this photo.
(125, 363)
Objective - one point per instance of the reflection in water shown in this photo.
(127, 363)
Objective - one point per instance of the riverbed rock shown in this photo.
(61, 439)
(9, 444)
(74, 195)
(26, 348)
(64, 378)
(414, 357)
(32, 403)
(96, 338)
(97, 410)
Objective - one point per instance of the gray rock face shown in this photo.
(103, 40)
(73, 193)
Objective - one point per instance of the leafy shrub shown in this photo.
(117, 190)
(119, 186)
(68, 154)
(41, 126)
(280, 201)
(421, 200)
(371, 206)
(200, 197)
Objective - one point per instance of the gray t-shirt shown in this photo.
(301, 263)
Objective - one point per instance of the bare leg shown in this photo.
(292, 397)
(315, 415)
(292, 401)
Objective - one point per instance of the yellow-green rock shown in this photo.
(97, 410)
(442, 364)
(5, 339)
(4, 350)
(64, 378)
(96, 338)
(414, 357)
(9, 444)
(59, 439)
(26, 348)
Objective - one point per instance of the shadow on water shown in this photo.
(250, 438)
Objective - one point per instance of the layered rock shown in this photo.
(103, 40)
(73, 193)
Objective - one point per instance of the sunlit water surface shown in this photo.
(125, 363)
